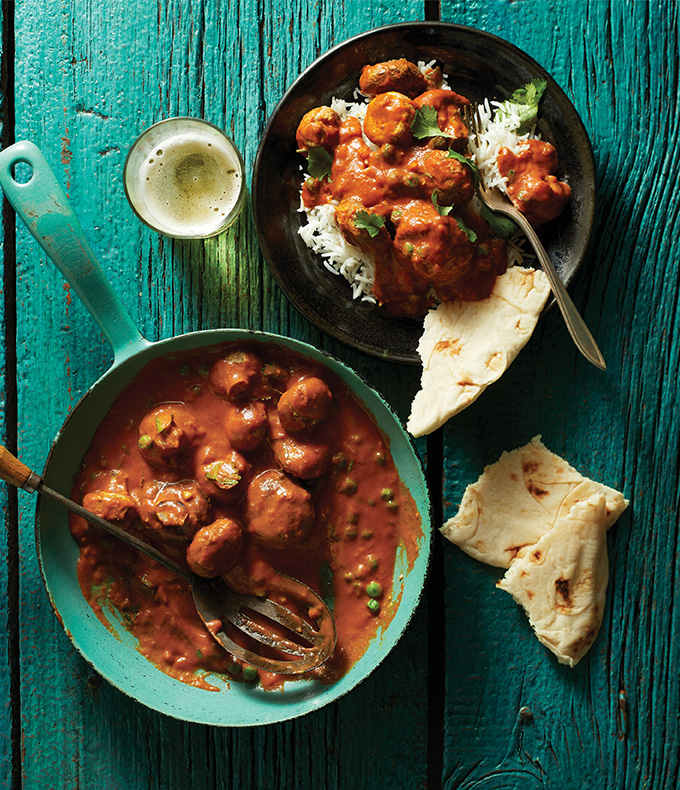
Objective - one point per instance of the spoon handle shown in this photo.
(575, 324)
(47, 213)
(16, 473)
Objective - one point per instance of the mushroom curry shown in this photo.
(402, 185)
(245, 463)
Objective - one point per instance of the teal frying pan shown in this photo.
(43, 206)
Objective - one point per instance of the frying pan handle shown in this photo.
(13, 471)
(45, 209)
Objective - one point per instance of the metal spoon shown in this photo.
(215, 602)
(576, 326)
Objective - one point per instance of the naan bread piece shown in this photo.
(517, 500)
(562, 581)
(466, 346)
(615, 502)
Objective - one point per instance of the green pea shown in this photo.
(387, 494)
(373, 561)
(374, 589)
(348, 486)
(339, 460)
(350, 532)
(380, 458)
(392, 505)
(249, 673)
(145, 442)
(373, 605)
(367, 534)
(348, 576)
(388, 152)
(353, 518)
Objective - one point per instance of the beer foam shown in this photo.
(190, 183)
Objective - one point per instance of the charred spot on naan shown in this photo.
(535, 491)
(514, 551)
(450, 346)
(562, 591)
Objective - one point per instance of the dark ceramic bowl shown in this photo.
(479, 65)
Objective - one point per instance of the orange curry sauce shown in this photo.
(414, 187)
(242, 463)
(532, 184)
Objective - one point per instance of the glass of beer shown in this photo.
(184, 178)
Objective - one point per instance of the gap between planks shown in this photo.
(9, 287)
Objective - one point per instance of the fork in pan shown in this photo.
(496, 201)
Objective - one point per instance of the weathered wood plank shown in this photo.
(8, 602)
(611, 59)
(84, 95)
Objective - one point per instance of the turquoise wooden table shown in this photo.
(469, 698)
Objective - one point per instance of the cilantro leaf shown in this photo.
(498, 224)
(163, 422)
(424, 123)
(223, 474)
(369, 222)
(524, 101)
(319, 163)
(530, 94)
(451, 154)
(446, 210)
(472, 236)
(443, 210)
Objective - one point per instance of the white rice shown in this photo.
(499, 130)
(322, 235)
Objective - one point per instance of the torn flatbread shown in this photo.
(562, 581)
(517, 500)
(466, 346)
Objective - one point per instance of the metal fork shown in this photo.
(496, 201)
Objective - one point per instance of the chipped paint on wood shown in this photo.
(503, 715)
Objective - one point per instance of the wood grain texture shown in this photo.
(9, 518)
(9, 764)
(85, 92)
(89, 78)
(612, 721)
